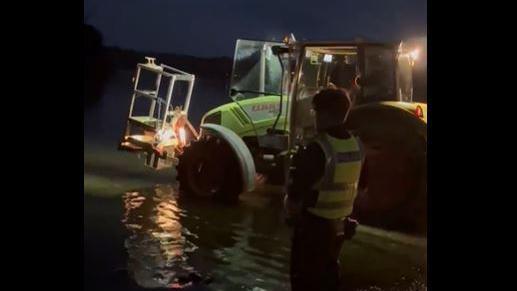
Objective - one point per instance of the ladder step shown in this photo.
(147, 93)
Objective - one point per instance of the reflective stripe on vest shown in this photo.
(338, 186)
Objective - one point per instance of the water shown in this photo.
(140, 233)
(236, 248)
(163, 237)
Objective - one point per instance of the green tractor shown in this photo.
(272, 86)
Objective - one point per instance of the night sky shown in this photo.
(210, 27)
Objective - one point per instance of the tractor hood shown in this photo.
(417, 109)
(247, 103)
(260, 111)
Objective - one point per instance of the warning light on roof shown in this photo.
(414, 54)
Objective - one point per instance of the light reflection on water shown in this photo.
(173, 241)
(240, 248)
(157, 243)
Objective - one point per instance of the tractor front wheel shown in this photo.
(209, 168)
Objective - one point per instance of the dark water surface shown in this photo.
(157, 239)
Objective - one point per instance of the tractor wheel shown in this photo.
(209, 168)
(396, 145)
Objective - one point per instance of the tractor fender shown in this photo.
(240, 149)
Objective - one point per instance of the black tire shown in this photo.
(209, 168)
(396, 144)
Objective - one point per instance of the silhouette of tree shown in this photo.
(96, 65)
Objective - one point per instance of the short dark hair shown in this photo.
(333, 101)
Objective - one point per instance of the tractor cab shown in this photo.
(368, 72)
(273, 83)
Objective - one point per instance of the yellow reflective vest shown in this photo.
(338, 186)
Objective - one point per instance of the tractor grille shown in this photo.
(214, 118)
(243, 119)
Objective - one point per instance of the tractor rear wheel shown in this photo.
(395, 143)
(209, 168)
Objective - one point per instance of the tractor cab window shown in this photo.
(322, 67)
(378, 81)
(325, 67)
(255, 69)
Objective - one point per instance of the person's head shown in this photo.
(331, 107)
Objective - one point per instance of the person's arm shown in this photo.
(307, 168)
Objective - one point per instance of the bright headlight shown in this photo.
(164, 134)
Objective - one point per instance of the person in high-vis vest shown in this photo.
(324, 179)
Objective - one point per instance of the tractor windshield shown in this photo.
(256, 70)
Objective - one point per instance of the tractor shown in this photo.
(272, 85)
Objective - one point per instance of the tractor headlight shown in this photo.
(414, 54)
(164, 134)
